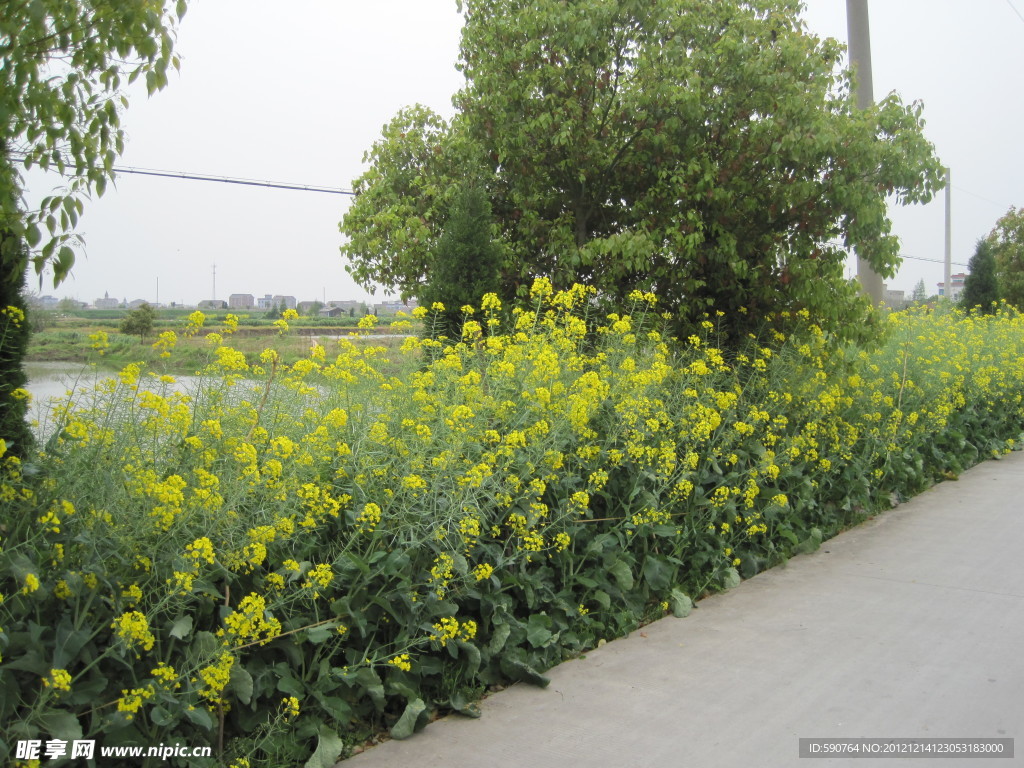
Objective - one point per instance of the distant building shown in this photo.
(895, 299)
(956, 286)
(332, 312)
(305, 307)
(267, 302)
(213, 304)
(135, 304)
(287, 301)
(47, 302)
(347, 307)
(106, 302)
(386, 308)
(241, 301)
(393, 307)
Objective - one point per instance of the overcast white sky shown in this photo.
(297, 91)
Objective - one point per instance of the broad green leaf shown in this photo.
(412, 720)
(731, 578)
(241, 683)
(328, 749)
(538, 630)
(622, 574)
(60, 725)
(181, 627)
(657, 573)
(680, 603)
(811, 543)
(523, 673)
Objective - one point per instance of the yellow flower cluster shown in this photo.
(58, 680)
(449, 628)
(402, 662)
(133, 628)
(249, 622)
(215, 678)
(290, 707)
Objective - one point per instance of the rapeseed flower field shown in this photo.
(287, 556)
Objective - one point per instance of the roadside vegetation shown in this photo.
(639, 376)
(290, 558)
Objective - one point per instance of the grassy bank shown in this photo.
(297, 555)
(74, 340)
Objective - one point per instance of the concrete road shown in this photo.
(912, 625)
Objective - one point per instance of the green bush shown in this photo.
(297, 555)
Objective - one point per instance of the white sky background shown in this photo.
(297, 92)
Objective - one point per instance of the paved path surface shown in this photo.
(912, 625)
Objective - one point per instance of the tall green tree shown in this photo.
(1007, 239)
(464, 266)
(980, 287)
(920, 293)
(710, 152)
(63, 68)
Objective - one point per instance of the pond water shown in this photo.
(54, 379)
(49, 382)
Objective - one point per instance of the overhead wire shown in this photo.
(1015, 10)
(224, 179)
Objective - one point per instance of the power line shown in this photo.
(933, 261)
(1015, 10)
(231, 180)
(904, 256)
(224, 179)
(958, 188)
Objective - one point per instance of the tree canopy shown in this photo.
(1007, 239)
(709, 152)
(139, 322)
(464, 265)
(981, 288)
(63, 65)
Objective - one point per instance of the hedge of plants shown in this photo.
(284, 560)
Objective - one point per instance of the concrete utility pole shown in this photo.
(948, 292)
(859, 35)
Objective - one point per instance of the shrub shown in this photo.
(296, 555)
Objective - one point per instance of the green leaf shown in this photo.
(622, 574)
(291, 686)
(680, 603)
(811, 543)
(522, 672)
(657, 573)
(371, 682)
(473, 658)
(241, 683)
(181, 627)
(318, 635)
(200, 716)
(411, 720)
(161, 717)
(69, 642)
(328, 749)
(461, 704)
(731, 578)
(60, 725)
(498, 637)
(336, 707)
(538, 630)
